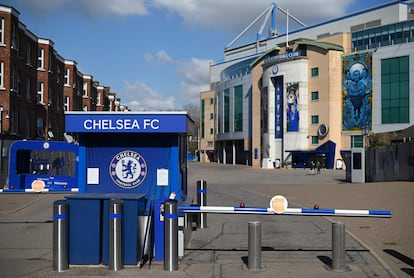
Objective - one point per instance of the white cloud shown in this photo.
(94, 8)
(235, 15)
(195, 78)
(139, 96)
(161, 58)
(231, 15)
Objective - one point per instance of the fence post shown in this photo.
(171, 235)
(60, 236)
(338, 247)
(115, 235)
(255, 247)
(202, 201)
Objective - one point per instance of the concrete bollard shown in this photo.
(338, 247)
(255, 247)
(115, 235)
(202, 201)
(171, 235)
(60, 236)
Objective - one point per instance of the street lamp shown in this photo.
(365, 130)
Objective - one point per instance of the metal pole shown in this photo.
(255, 247)
(202, 201)
(171, 235)
(338, 247)
(115, 235)
(60, 236)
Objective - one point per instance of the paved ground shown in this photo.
(293, 246)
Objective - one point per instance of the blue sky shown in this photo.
(155, 54)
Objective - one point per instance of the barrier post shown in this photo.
(115, 235)
(202, 201)
(60, 236)
(255, 247)
(171, 235)
(338, 247)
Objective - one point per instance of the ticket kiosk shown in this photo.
(138, 157)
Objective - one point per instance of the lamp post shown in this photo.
(365, 134)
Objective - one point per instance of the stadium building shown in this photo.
(303, 96)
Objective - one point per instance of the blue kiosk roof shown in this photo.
(129, 122)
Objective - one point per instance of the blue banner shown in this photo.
(278, 84)
(126, 122)
(126, 170)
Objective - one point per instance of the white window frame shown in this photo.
(85, 89)
(2, 31)
(40, 93)
(67, 76)
(41, 58)
(98, 99)
(67, 103)
(2, 75)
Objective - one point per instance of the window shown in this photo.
(1, 30)
(211, 116)
(12, 78)
(40, 58)
(28, 53)
(315, 140)
(14, 120)
(219, 112)
(66, 104)
(13, 37)
(395, 91)
(315, 119)
(1, 75)
(315, 96)
(226, 110)
(19, 85)
(211, 101)
(98, 99)
(28, 88)
(202, 117)
(85, 89)
(357, 141)
(314, 72)
(40, 86)
(67, 75)
(238, 108)
(211, 130)
(27, 126)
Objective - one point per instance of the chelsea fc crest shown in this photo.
(128, 169)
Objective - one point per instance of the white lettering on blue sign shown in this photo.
(120, 124)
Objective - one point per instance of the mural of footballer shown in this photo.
(357, 91)
(292, 112)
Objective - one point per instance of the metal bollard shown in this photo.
(255, 247)
(115, 235)
(60, 236)
(338, 247)
(202, 201)
(171, 235)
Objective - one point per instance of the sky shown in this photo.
(155, 54)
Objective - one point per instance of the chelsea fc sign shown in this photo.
(128, 169)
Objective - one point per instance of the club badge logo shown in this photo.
(128, 169)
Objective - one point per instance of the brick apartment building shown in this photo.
(37, 87)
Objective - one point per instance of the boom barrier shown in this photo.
(288, 211)
(279, 205)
